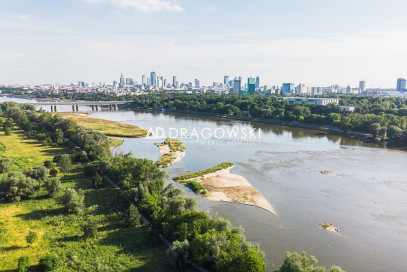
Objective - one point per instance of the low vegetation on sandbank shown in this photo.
(172, 151)
(110, 128)
(214, 169)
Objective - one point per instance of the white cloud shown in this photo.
(142, 5)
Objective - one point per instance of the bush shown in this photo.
(53, 172)
(15, 186)
(196, 187)
(48, 164)
(178, 254)
(133, 217)
(74, 201)
(65, 163)
(53, 186)
(31, 238)
(39, 173)
(23, 264)
(5, 164)
(90, 229)
(49, 263)
(97, 181)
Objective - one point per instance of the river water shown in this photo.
(367, 201)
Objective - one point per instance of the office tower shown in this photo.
(114, 84)
(144, 80)
(121, 82)
(240, 78)
(257, 82)
(174, 81)
(129, 81)
(226, 80)
(176, 85)
(362, 86)
(401, 84)
(287, 88)
(148, 81)
(237, 88)
(251, 85)
(197, 84)
(153, 79)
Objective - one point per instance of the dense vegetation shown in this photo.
(385, 117)
(218, 167)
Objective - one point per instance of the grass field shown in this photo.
(110, 128)
(116, 248)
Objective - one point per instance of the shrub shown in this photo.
(74, 201)
(53, 186)
(49, 263)
(133, 217)
(97, 181)
(178, 254)
(48, 164)
(31, 238)
(65, 163)
(53, 172)
(5, 164)
(15, 186)
(196, 187)
(39, 173)
(90, 229)
(23, 264)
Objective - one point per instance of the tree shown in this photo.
(65, 163)
(49, 263)
(74, 201)
(97, 181)
(5, 164)
(53, 186)
(133, 217)
(374, 129)
(90, 229)
(23, 264)
(48, 164)
(31, 238)
(39, 173)
(15, 186)
(295, 262)
(178, 254)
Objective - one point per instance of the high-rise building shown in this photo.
(237, 87)
(362, 86)
(257, 82)
(144, 80)
(226, 80)
(129, 81)
(174, 81)
(121, 84)
(401, 84)
(287, 88)
(251, 85)
(153, 79)
(197, 84)
(114, 84)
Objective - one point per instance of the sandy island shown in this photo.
(330, 173)
(225, 186)
(330, 227)
(175, 156)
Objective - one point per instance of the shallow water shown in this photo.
(367, 202)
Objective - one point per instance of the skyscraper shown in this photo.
(251, 85)
(197, 84)
(174, 81)
(287, 88)
(153, 79)
(257, 82)
(362, 86)
(401, 84)
(144, 80)
(237, 88)
(226, 80)
(121, 84)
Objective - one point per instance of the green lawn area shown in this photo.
(110, 128)
(116, 247)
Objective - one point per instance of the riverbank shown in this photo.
(110, 128)
(172, 151)
(224, 186)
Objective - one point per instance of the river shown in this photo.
(367, 201)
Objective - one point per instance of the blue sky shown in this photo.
(316, 42)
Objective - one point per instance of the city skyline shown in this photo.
(311, 42)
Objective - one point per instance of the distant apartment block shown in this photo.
(305, 100)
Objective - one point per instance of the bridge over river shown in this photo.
(113, 105)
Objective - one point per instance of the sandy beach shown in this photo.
(225, 186)
(165, 150)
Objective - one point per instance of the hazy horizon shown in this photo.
(315, 42)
